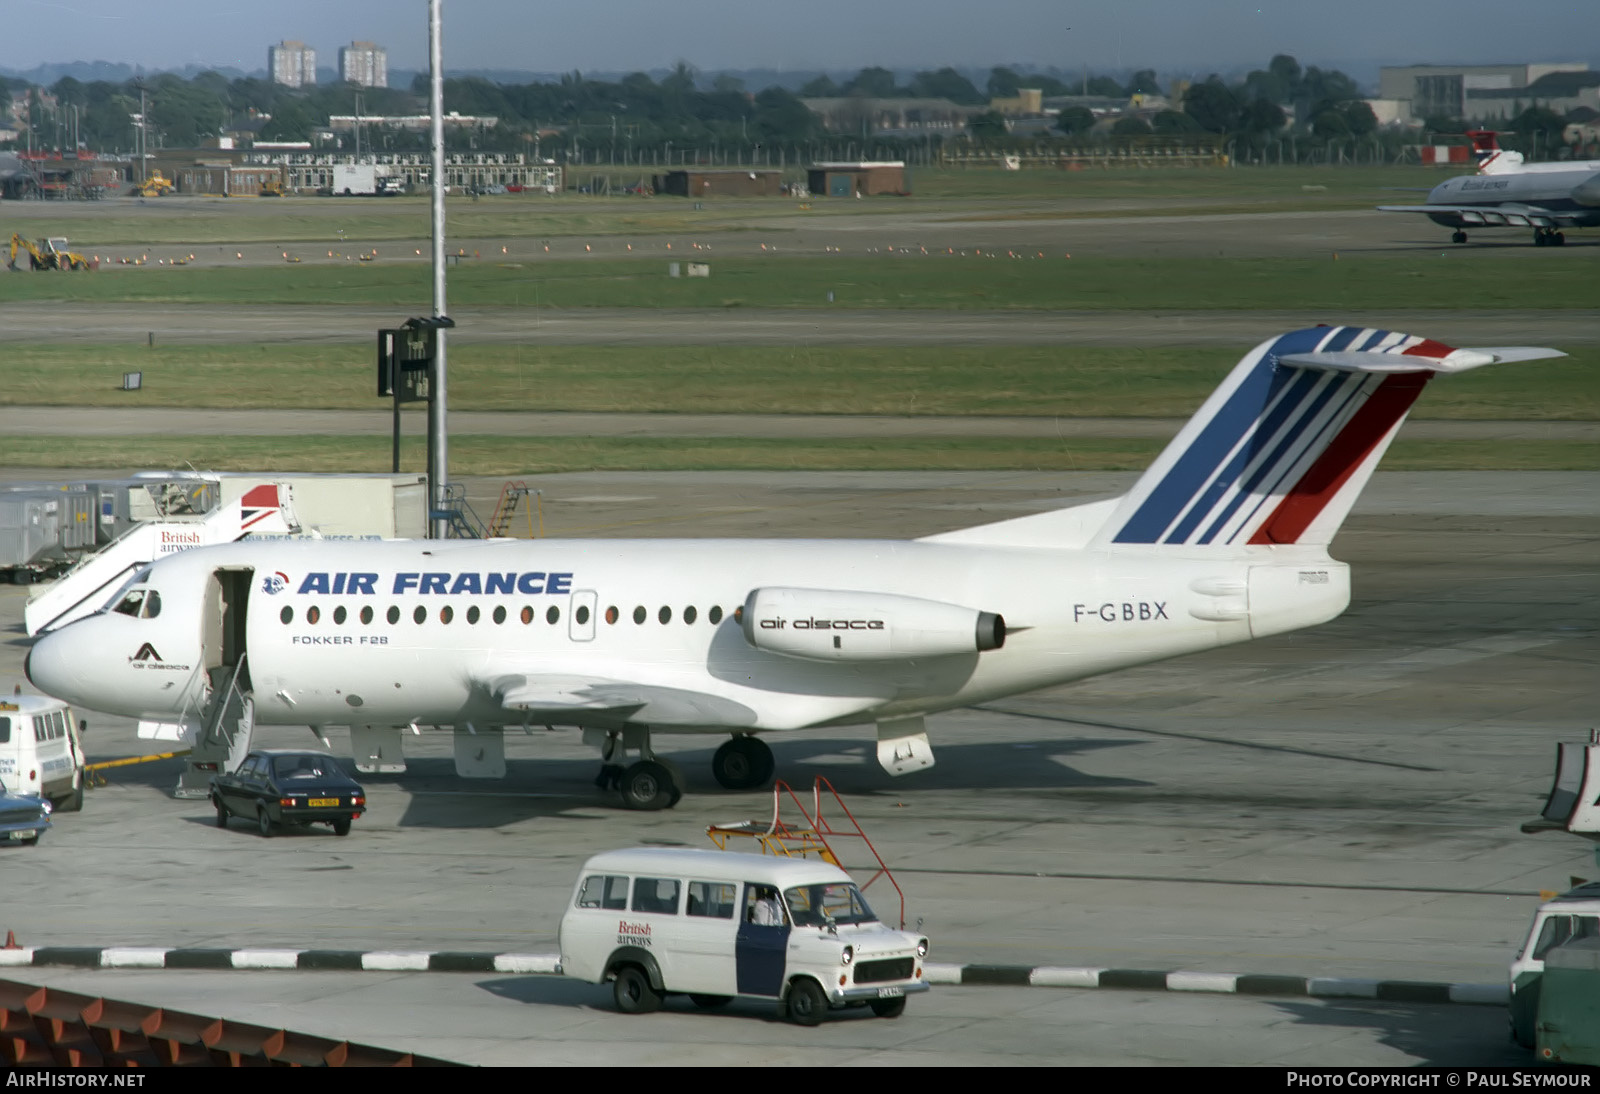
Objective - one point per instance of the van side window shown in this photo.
(603, 891)
(656, 894)
(711, 899)
(39, 729)
(5, 731)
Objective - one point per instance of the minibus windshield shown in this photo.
(814, 905)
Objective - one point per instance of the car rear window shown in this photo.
(301, 767)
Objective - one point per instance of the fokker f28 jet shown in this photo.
(1224, 539)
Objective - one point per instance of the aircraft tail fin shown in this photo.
(1279, 452)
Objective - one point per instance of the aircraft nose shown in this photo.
(49, 668)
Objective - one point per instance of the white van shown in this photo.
(40, 752)
(714, 924)
(1572, 915)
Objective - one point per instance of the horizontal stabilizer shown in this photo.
(1456, 361)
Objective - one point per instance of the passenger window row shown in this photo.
(658, 896)
(552, 614)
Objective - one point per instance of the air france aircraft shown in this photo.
(1507, 192)
(1224, 539)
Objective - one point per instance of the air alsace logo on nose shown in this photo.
(147, 652)
(275, 583)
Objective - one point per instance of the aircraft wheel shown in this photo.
(647, 785)
(1559, 239)
(1540, 239)
(743, 763)
(1458, 237)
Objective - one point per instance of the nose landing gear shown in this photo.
(743, 763)
(1548, 237)
(1458, 236)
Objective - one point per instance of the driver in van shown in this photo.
(766, 911)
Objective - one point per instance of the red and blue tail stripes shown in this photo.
(1276, 443)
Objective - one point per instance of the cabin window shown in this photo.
(446, 614)
(689, 614)
(711, 899)
(611, 614)
(287, 615)
(366, 613)
(604, 891)
(552, 615)
(656, 894)
(665, 614)
(394, 614)
(500, 614)
(527, 614)
(313, 614)
(639, 614)
(419, 613)
(583, 613)
(715, 614)
(472, 614)
(339, 615)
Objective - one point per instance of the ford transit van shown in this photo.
(40, 752)
(713, 924)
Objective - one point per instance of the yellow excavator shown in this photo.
(272, 188)
(49, 254)
(154, 187)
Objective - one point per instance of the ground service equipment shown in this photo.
(49, 254)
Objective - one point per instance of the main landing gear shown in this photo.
(652, 782)
(1458, 236)
(1548, 237)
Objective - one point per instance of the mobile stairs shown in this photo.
(809, 836)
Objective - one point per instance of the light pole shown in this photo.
(439, 456)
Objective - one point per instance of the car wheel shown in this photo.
(31, 841)
(889, 1008)
(710, 1002)
(263, 824)
(633, 991)
(341, 827)
(72, 803)
(807, 1004)
(222, 812)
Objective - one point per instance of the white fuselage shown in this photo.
(420, 632)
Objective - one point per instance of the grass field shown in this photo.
(509, 456)
(517, 216)
(901, 281)
(1009, 380)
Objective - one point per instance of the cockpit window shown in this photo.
(141, 603)
(131, 603)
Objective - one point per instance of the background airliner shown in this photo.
(1507, 192)
(1222, 540)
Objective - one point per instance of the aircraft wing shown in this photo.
(558, 695)
(1509, 215)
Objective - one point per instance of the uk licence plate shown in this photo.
(891, 993)
(315, 802)
(26, 833)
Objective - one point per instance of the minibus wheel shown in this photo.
(889, 1008)
(633, 992)
(807, 1004)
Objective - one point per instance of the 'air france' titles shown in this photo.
(460, 583)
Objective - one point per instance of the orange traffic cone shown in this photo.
(11, 942)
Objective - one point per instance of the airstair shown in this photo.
(84, 589)
(809, 836)
(457, 513)
(505, 510)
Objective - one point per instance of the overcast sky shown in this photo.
(610, 35)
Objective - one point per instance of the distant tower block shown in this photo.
(365, 64)
(292, 63)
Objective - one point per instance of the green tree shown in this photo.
(1329, 123)
(781, 118)
(822, 87)
(1075, 119)
(727, 82)
(1213, 105)
(1263, 116)
(1174, 121)
(1106, 87)
(1003, 82)
(989, 125)
(1144, 82)
(873, 83)
(1130, 125)
(1358, 117)
(946, 83)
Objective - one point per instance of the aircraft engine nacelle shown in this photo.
(1587, 192)
(839, 625)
